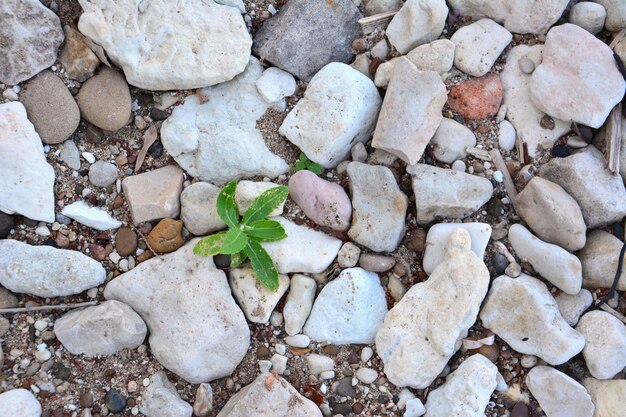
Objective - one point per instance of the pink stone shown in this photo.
(477, 98)
(324, 202)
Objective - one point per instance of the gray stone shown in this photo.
(376, 263)
(558, 394)
(19, 403)
(70, 154)
(588, 15)
(162, 400)
(451, 140)
(284, 40)
(572, 307)
(198, 208)
(599, 260)
(615, 14)
(605, 347)
(102, 174)
(418, 22)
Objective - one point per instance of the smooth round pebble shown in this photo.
(506, 136)
(528, 361)
(366, 354)
(526, 65)
(299, 340)
(348, 255)
(513, 270)
(114, 401)
(459, 165)
(366, 375)
(104, 100)
(102, 174)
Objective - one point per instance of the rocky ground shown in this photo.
(456, 256)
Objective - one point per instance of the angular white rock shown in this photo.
(217, 140)
(248, 191)
(275, 84)
(438, 235)
(506, 135)
(162, 399)
(552, 262)
(524, 314)
(466, 391)
(366, 375)
(196, 342)
(339, 109)
(418, 22)
(379, 207)
(198, 208)
(100, 330)
(256, 301)
(90, 216)
(572, 307)
(422, 332)
(478, 46)
(45, 271)
(303, 250)
(163, 45)
(349, 309)
(599, 259)
(299, 303)
(605, 350)
(558, 394)
(319, 363)
(451, 141)
(446, 193)
(414, 408)
(588, 15)
(19, 403)
(26, 179)
(607, 396)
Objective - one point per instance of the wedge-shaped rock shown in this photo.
(198, 208)
(605, 350)
(45, 271)
(269, 395)
(215, 138)
(466, 391)
(349, 309)
(525, 315)
(607, 396)
(93, 217)
(599, 259)
(411, 112)
(552, 262)
(451, 141)
(163, 45)
(196, 329)
(19, 403)
(418, 22)
(439, 234)
(26, 179)
(558, 394)
(577, 79)
(100, 330)
(584, 175)
(422, 332)
(339, 109)
(162, 399)
(256, 301)
(299, 302)
(303, 250)
(552, 214)
(379, 207)
(447, 193)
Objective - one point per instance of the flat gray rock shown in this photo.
(161, 399)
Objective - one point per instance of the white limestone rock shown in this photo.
(19, 403)
(172, 294)
(100, 330)
(447, 193)
(506, 136)
(319, 363)
(339, 109)
(451, 141)
(303, 250)
(418, 22)
(599, 259)
(256, 301)
(198, 209)
(607, 396)
(435, 56)
(45, 271)
(552, 262)
(275, 84)
(478, 46)
(524, 314)
(414, 408)
(572, 307)
(466, 391)
(217, 140)
(163, 45)
(26, 179)
(379, 207)
(439, 234)
(605, 350)
(348, 310)
(299, 302)
(411, 112)
(588, 15)
(93, 217)
(161, 399)
(426, 327)
(558, 394)
(615, 14)
(248, 191)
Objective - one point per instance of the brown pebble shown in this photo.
(93, 134)
(125, 241)
(376, 263)
(144, 256)
(109, 373)
(86, 400)
(131, 402)
(357, 408)
(97, 252)
(491, 352)
(520, 410)
(145, 228)
(262, 352)
(400, 270)
(330, 350)
(547, 122)
(62, 241)
(118, 201)
(353, 358)
(416, 239)
(482, 129)
(359, 45)
(166, 236)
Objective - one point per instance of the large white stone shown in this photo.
(615, 14)
(577, 79)
(588, 15)
(446, 193)
(93, 217)
(558, 394)
(161, 399)
(572, 307)
(349, 309)
(524, 314)
(100, 330)
(599, 259)
(303, 250)
(466, 391)
(521, 111)
(26, 179)
(217, 140)
(426, 327)
(607, 396)
(248, 191)
(45, 271)
(19, 403)
(338, 110)
(437, 239)
(299, 302)
(552, 262)
(275, 84)
(379, 207)
(418, 22)
(411, 112)
(478, 46)
(451, 141)
(256, 301)
(605, 350)
(164, 45)
(196, 329)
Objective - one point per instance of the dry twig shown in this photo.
(46, 308)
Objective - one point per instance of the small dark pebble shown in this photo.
(586, 133)
(86, 400)
(6, 224)
(382, 398)
(158, 114)
(49, 242)
(330, 350)
(495, 207)
(547, 122)
(618, 230)
(61, 371)
(83, 172)
(357, 408)
(144, 99)
(221, 261)
(416, 239)
(93, 134)
(131, 402)
(262, 352)
(62, 219)
(344, 388)
(31, 333)
(520, 410)
(30, 223)
(499, 263)
(114, 401)
(156, 149)
(353, 358)
(109, 373)
(561, 151)
(344, 409)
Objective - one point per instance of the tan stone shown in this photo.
(104, 100)
(166, 236)
(607, 396)
(599, 259)
(78, 60)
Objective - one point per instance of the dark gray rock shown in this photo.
(6, 224)
(306, 35)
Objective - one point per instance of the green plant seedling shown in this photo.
(245, 234)
(304, 163)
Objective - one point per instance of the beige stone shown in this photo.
(558, 394)
(599, 260)
(605, 347)
(256, 301)
(607, 396)
(79, 61)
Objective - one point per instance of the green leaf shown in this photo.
(267, 231)
(262, 264)
(227, 206)
(264, 204)
(210, 245)
(316, 168)
(303, 158)
(234, 242)
(237, 259)
(298, 166)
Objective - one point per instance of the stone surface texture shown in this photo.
(299, 302)
(93, 217)
(605, 347)
(558, 394)
(161, 399)
(599, 260)
(477, 98)
(451, 141)
(478, 46)
(439, 234)
(198, 208)
(79, 61)
(573, 306)
(19, 403)
(588, 15)
(607, 396)
(418, 22)
(256, 301)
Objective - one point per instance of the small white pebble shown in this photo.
(114, 257)
(271, 9)
(41, 324)
(92, 292)
(123, 265)
(327, 375)
(498, 176)
(17, 89)
(366, 354)
(145, 382)
(487, 165)
(279, 363)
(366, 375)
(459, 165)
(132, 386)
(276, 318)
(134, 411)
(89, 157)
(528, 361)
(414, 408)
(265, 366)
(280, 349)
(42, 231)
(299, 340)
